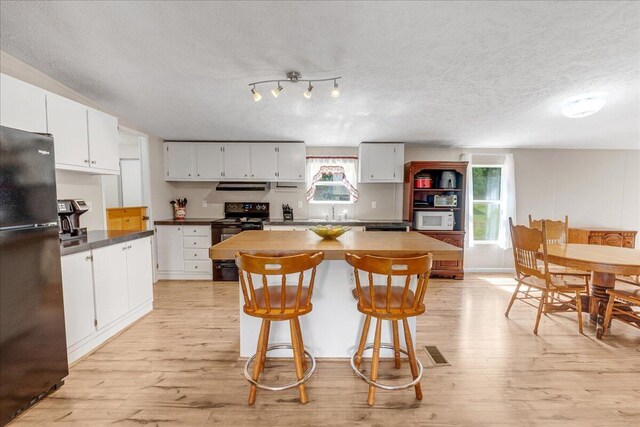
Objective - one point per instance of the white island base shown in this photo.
(333, 328)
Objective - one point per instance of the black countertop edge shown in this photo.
(188, 221)
(100, 238)
(364, 223)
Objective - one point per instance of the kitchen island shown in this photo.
(332, 329)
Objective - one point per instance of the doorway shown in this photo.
(131, 189)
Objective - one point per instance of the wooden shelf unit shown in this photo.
(448, 269)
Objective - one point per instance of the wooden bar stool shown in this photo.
(394, 303)
(278, 303)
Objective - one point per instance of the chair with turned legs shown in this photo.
(390, 302)
(276, 300)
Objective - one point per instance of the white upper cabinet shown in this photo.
(67, 122)
(237, 161)
(292, 160)
(178, 161)
(264, 161)
(103, 141)
(22, 106)
(381, 162)
(86, 140)
(208, 158)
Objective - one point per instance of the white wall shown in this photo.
(69, 184)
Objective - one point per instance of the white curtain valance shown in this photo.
(319, 166)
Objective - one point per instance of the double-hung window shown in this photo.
(486, 203)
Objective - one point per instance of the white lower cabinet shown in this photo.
(110, 281)
(105, 290)
(183, 252)
(77, 290)
(139, 275)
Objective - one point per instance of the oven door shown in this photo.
(225, 271)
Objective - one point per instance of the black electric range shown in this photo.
(238, 217)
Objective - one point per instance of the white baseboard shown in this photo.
(489, 270)
(180, 275)
(85, 346)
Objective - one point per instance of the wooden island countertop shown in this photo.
(381, 243)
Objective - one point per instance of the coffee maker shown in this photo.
(69, 212)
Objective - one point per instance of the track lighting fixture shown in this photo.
(256, 95)
(307, 93)
(294, 77)
(276, 92)
(335, 92)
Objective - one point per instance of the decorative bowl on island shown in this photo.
(329, 232)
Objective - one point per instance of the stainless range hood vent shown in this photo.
(243, 186)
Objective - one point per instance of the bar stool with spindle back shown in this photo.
(279, 302)
(389, 302)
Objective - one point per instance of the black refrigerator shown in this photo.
(33, 353)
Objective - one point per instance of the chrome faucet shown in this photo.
(333, 213)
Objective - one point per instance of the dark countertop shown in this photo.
(364, 223)
(100, 238)
(190, 221)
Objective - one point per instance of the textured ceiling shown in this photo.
(473, 74)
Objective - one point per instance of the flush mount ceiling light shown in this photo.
(583, 106)
(294, 77)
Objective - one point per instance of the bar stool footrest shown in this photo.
(304, 379)
(386, 386)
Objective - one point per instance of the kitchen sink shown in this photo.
(336, 221)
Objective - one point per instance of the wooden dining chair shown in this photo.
(532, 272)
(623, 305)
(393, 303)
(558, 233)
(279, 302)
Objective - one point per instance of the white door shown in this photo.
(237, 161)
(22, 105)
(264, 162)
(139, 272)
(103, 141)
(131, 182)
(77, 290)
(208, 160)
(169, 243)
(110, 283)
(382, 162)
(178, 160)
(291, 162)
(67, 122)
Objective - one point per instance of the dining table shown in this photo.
(604, 263)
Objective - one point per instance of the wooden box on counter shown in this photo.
(127, 218)
(603, 236)
(448, 269)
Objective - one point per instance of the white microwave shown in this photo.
(433, 220)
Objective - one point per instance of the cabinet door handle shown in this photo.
(129, 247)
(194, 243)
(124, 248)
(86, 160)
(245, 174)
(93, 162)
(89, 258)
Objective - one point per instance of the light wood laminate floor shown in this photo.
(179, 366)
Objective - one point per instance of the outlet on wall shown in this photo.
(299, 204)
(374, 205)
(89, 205)
(204, 203)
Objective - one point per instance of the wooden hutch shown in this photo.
(421, 199)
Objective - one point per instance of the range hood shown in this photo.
(242, 186)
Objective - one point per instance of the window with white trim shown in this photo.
(487, 203)
(332, 179)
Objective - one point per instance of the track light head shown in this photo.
(335, 92)
(307, 93)
(276, 92)
(256, 95)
